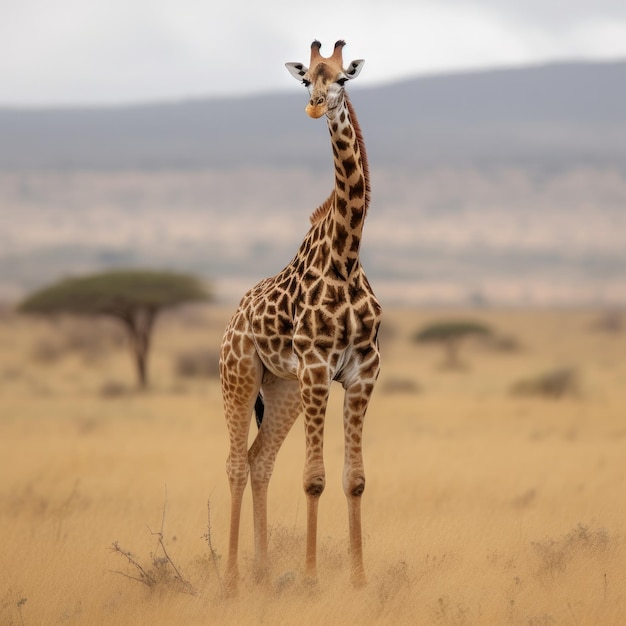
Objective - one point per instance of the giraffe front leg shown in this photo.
(314, 401)
(355, 405)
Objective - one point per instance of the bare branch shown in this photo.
(145, 577)
(178, 576)
(207, 537)
(183, 581)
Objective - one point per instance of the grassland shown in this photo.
(481, 507)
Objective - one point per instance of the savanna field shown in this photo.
(482, 506)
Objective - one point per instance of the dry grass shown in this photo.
(481, 507)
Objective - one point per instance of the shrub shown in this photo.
(609, 322)
(46, 351)
(200, 363)
(552, 384)
(400, 385)
(113, 389)
(451, 334)
(503, 343)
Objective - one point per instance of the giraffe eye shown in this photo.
(342, 81)
(306, 82)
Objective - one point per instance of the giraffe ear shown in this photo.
(297, 70)
(353, 70)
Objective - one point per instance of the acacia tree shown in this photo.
(135, 297)
(450, 334)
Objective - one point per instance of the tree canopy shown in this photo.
(454, 329)
(117, 292)
(450, 333)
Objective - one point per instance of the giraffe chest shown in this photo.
(338, 337)
(286, 357)
(297, 319)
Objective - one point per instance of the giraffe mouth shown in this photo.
(316, 111)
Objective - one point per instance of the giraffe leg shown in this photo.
(314, 401)
(282, 407)
(241, 372)
(356, 401)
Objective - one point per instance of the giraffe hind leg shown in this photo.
(281, 400)
(241, 372)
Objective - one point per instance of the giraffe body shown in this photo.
(295, 333)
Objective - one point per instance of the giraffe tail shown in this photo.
(259, 409)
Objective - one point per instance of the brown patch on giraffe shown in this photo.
(333, 272)
(285, 326)
(321, 393)
(284, 301)
(349, 166)
(324, 345)
(342, 145)
(323, 323)
(342, 207)
(341, 237)
(350, 264)
(323, 253)
(293, 286)
(301, 344)
(356, 404)
(309, 277)
(357, 190)
(334, 298)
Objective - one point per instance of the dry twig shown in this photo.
(144, 577)
(214, 555)
(150, 578)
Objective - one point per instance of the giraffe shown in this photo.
(295, 333)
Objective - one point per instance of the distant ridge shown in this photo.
(555, 115)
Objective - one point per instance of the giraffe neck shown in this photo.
(352, 189)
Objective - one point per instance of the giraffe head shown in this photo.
(325, 78)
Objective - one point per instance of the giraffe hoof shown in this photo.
(310, 581)
(358, 579)
(261, 574)
(230, 589)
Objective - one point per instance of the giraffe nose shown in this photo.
(317, 105)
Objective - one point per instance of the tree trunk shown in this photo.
(452, 353)
(139, 324)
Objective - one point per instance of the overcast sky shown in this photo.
(68, 52)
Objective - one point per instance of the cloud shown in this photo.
(553, 14)
(106, 51)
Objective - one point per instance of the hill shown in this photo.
(555, 115)
(501, 187)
